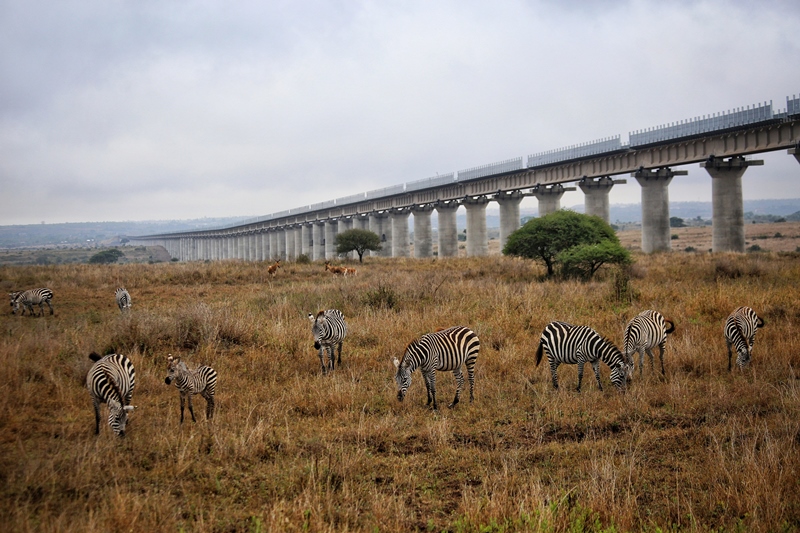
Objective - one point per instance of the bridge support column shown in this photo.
(306, 239)
(298, 241)
(273, 244)
(727, 203)
(509, 214)
(596, 191)
(331, 227)
(423, 236)
(795, 152)
(448, 231)
(477, 240)
(377, 221)
(318, 245)
(281, 244)
(361, 222)
(288, 237)
(399, 218)
(549, 197)
(655, 207)
(264, 245)
(253, 249)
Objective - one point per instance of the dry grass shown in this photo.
(289, 449)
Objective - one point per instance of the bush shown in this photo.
(106, 256)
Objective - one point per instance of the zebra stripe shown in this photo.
(644, 332)
(123, 299)
(329, 330)
(569, 344)
(111, 381)
(443, 350)
(30, 298)
(740, 331)
(202, 381)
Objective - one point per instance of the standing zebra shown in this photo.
(123, 299)
(740, 331)
(202, 381)
(644, 332)
(568, 344)
(329, 331)
(111, 380)
(30, 298)
(444, 350)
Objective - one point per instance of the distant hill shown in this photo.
(94, 234)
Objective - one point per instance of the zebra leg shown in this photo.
(554, 374)
(331, 358)
(652, 358)
(580, 375)
(322, 360)
(430, 384)
(471, 377)
(340, 354)
(183, 404)
(48, 305)
(661, 357)
(596, 368)
(191, 410)
(209, 405)
(96, 416)
(730, 355)
(459, 383)
(641, 362)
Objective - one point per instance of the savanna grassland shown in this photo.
(700, 449)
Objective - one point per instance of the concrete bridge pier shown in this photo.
(305, 239)
(448, 230)
(596, 195)
(727, 204)
(318, 234)
(273, 245)
(399, 218)
(549, 197)
(477, 239)
(298, 240)
(361, 221)
(251, 245)
(795, 152)
(281, 244)
(288, 234)
(509, 213)
(264, 245)
(655, 207)
(423, 235)
(331, 227)
(376, 221)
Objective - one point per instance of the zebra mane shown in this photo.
(95, 357)
(113, 385)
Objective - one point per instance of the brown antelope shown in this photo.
(349, 271)
(273, 269)
(334, 269)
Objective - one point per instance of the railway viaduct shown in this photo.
(719, 143)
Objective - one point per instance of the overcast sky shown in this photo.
(142, 110)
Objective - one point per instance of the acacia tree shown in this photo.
(545, 238)
(358, 241)
(584, 260)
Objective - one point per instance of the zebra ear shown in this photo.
(311, 317)
(396, 363)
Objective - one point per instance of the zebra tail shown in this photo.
(539, 352)
(760, 323)
(671, 327)
(94, 357)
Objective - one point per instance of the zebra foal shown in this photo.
(27, 299)
(111, 381)
(644, 332)
(444, 350)
(202, 381)
(740, 332)
(329, 330)
(570, 345)
(123, 299)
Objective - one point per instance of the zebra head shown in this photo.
(317, 321)
(117, 410)
(175, 367)
(403, 378)
(14, 301)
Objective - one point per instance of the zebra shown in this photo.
(569, 344)
(644, 332)
(329, 330)
(111, 380)
(444, 350)
(740, 331)
(30, 298)
(202, 381)
(123, 299)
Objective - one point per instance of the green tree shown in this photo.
(584, 260)
(106, 256)
(676, 222)
(357, 240)
(544, 238)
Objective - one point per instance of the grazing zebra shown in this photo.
(444, 350)
(329, 330)
(123, 299)
(644, 332)
(740, 331)
(202, 381)
(30, 298)
(568, 344)
(111, 380)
